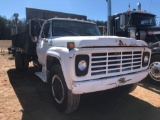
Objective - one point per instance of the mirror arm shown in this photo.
(45, 40)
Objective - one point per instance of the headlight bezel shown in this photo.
(145, 55)
(78, 59)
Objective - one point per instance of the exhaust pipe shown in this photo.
(109, 30)
(139, 6)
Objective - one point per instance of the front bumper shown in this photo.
(107, 83)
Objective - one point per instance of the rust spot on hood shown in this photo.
(121, 43)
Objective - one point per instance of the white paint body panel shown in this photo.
(93, 41)
(67, 60)
(107, 83)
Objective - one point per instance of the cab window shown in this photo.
(46, 31)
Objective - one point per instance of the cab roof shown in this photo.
(75, 20)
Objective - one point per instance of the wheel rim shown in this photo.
(57, 89)
(154, 71)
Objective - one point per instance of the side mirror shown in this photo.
(34, 29)
(34, 39)
(122, 21)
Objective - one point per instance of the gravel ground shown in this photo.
(4, 44)
(23, 96)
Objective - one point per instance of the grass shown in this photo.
(4, 44)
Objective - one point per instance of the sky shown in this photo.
(93, 9)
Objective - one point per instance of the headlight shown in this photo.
(82, 65)
(146, 58)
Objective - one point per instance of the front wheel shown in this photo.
(154, 69)
(65, 101)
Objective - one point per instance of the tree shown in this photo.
(102, 26)
(5, 32)
(6, 25)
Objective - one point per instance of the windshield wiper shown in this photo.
(70, 32)
(91, 34)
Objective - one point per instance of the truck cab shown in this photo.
(135, 24)
(54, 29)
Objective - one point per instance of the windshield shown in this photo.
(73, 28)
(143, 19)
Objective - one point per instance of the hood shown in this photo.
(153, 29)
(96, 41)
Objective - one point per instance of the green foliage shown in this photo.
(6, 25)
(100, 24)
(21, 25)
(4, 29)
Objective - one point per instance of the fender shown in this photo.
(65, 58)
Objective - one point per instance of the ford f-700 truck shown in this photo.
(76, 60)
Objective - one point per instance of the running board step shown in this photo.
(41, 75)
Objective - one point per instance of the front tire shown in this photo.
(65, 101)
(154, 69)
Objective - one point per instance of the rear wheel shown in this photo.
(25, 62)
(64, 100)
(18, 61)
(21, 61)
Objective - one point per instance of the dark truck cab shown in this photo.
(140, 25)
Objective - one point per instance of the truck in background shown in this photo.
(141, 25)
(75, 59)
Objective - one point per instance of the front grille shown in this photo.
(115, 62)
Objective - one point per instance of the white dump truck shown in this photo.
(75, 59)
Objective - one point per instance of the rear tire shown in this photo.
(25, 62)
(21, 61)
(18, 61)
(65, 101)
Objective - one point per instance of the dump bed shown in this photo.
(22, 42)
(46, 14)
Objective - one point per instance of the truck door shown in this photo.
(43, 42)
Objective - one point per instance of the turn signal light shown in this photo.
(70, 45)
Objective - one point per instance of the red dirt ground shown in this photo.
(23, 96)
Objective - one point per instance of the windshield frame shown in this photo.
(143, 19)
(76, 26)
